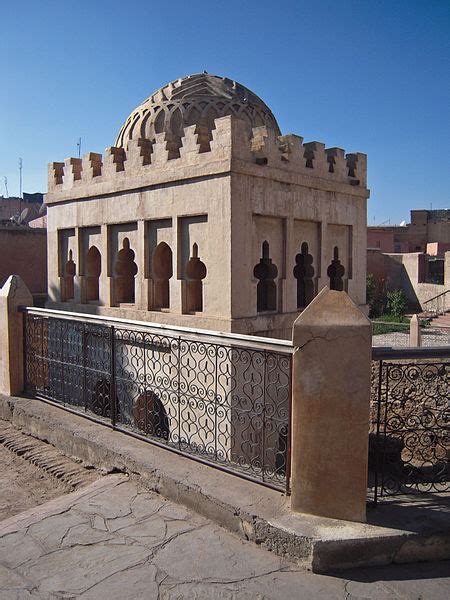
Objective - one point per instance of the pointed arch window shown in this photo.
(266, 272)
(195, 273)
(93, 270)
(124, 274)
(336, 272)
(304, 273)
(162, 271)
(68, 286)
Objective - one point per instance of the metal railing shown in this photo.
(219, 398)
(225, 399)
(409, 442)
(438, 305)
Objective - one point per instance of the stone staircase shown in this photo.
(441, 320)
(438, 309)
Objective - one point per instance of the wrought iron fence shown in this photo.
(409, 442)
(225, 402)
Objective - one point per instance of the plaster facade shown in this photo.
(207, 221)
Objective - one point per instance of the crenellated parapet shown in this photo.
(72, 171)
(114, 161)
(309, 158)
(91, 166)
(200, 148)
(55, 175)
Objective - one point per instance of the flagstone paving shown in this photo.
(115, 540)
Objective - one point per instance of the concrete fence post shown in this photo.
(330, 408)
(13, 294)
(415, 339)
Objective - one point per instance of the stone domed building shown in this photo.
(204, 215)
(195, 100)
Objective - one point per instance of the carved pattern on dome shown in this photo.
(194, 100)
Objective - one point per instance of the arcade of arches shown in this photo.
(161, 270)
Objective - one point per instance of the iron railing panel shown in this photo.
(409, 442)
(214, 399)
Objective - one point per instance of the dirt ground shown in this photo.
(22, 485)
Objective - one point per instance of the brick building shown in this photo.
(427, 226)
(23, 251)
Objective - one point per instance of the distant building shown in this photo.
(12, 207)
(23, 242)
(413, 257)
(427, 226)
(23, 251)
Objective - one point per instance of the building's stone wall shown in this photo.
(139, 219)
(381, 239)
(23, 251)
(226, 200)
(385, 267)
(406, 272)
(286, 215)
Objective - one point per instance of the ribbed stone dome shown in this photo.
(194, 100)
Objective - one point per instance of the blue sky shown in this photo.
(369, 76)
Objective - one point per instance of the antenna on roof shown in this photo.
(20, 178)
(5, 179)
(79, 147)
(20, 184)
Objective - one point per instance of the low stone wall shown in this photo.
(405, 272)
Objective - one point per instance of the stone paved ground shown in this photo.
(112, 540)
